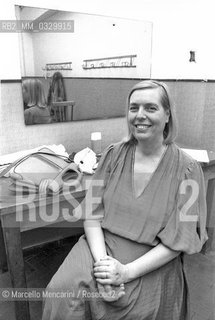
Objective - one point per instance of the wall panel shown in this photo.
(194, 101)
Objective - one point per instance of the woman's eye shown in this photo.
(133, 108)
(152, 108)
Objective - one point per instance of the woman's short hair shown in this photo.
(170, 130)
(35, 92)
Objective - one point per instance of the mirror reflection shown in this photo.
(35, 109)
(79, 66)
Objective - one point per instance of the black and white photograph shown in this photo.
(107, 160)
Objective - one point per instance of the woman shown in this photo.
(36, 111)
(135, 237)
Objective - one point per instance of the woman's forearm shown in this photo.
(95, 238)
(152, 260)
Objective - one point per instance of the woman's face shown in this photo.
(146, 115)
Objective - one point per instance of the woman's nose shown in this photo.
(141, 113)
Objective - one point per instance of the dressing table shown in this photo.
(20, 213)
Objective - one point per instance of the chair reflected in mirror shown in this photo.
(62, 111)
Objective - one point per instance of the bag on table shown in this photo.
(43, 172)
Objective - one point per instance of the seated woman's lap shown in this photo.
(68, 284)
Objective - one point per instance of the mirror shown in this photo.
(81, 65)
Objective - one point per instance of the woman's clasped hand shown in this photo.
(110, 275)
(110, 271)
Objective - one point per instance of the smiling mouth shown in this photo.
(142, 126)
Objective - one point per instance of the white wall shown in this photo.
(94, 37)
(178, 27)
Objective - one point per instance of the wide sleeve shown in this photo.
(185, 229)
(92, 206)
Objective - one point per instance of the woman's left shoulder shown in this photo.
(186, 161)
